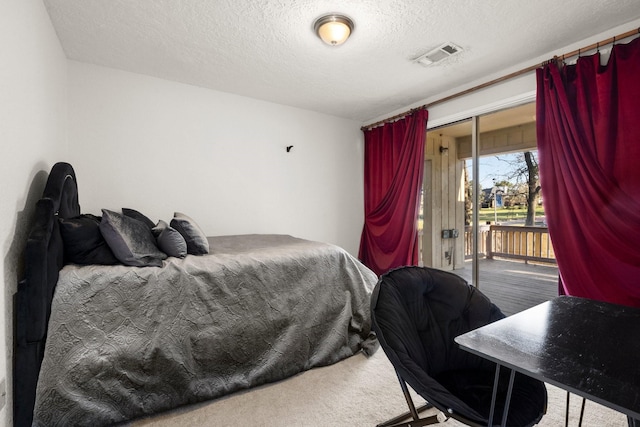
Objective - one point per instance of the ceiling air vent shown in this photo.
(438, 54)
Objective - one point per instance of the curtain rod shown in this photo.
(503, 78)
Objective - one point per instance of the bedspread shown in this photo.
(125, 342)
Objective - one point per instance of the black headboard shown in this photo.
(43, 260)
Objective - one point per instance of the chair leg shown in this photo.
(412, 413)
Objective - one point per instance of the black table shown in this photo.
(586, 347)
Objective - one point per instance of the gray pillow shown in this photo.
(197, 243)
(130, 240)
(157, 229)
(132, 213)
(169, 240)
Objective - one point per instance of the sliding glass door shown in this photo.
(483, 212)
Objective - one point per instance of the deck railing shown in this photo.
(512, 241)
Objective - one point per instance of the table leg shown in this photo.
(507, 399)
(581, 412)
(494, 395)
(566, 412)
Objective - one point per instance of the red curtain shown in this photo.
(588, 126)
(393, 169)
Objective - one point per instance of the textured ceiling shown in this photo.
(266, 49)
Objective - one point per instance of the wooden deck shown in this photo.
(514, 286)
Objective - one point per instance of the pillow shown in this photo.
(132, 213)
(130, 240)
(169, 240)
(83, 243)
(197, 243)
(157, 229)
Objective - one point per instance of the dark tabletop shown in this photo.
(587, 347)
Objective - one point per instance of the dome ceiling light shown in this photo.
(333, 29)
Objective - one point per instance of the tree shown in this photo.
(468, 205)
(524, 171)
(533, 179)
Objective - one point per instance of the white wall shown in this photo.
(33, 109)
(159, 147)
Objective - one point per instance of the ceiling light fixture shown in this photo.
(333, 29)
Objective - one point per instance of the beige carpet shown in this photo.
(358, 391)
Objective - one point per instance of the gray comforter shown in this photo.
(124, 342)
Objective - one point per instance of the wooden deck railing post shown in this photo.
(490, 243)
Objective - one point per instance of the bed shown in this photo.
(103, 344)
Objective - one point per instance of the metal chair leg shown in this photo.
(412, 413)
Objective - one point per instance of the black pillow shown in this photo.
(130, 240)
(132, 213)
(169, 240)
(197, 243)
(83, 242)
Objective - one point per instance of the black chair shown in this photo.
(416, 313)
